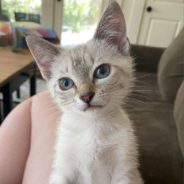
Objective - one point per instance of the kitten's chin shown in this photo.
(93, 108)
(89, 108)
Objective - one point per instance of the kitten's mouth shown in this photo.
(93, 107)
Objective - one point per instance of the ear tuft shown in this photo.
(112, 28)
(44, 54)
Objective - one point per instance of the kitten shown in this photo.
(95, 143)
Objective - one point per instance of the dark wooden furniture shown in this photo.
(15, 68)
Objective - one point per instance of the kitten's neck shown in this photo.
(106, 120)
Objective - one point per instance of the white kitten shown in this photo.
(95, 143)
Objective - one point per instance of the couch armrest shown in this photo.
(146, 58)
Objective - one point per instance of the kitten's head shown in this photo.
(92, 77)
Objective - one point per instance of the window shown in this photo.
(80, 19)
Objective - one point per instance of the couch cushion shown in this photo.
(171, 68)
(160, 153)
(179, 115)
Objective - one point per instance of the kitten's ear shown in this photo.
(44, 54)
(112, 28)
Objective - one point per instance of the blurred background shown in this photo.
(149, 22)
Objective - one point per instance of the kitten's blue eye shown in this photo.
(66, 83)
(102, 71)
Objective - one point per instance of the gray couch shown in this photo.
(156, 107)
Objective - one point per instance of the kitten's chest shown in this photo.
(91, 140)
(92, 136)
(97, 158)
(94, 147)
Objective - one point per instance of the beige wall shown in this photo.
(47, 13)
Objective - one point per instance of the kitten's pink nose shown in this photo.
(87, 97)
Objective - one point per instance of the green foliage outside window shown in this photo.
(81, 13)
(78, 14)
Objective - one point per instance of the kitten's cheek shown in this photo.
(82, 107)
(57, 89)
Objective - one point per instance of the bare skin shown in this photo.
(27, 138)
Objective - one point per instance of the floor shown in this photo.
(24, 89)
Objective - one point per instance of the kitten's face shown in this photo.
(92, 77)
(95, 69)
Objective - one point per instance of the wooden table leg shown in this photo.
(33, 85)
(1, 112)
(33, 81)
(7, 99)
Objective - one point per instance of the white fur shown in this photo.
(97, 149)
